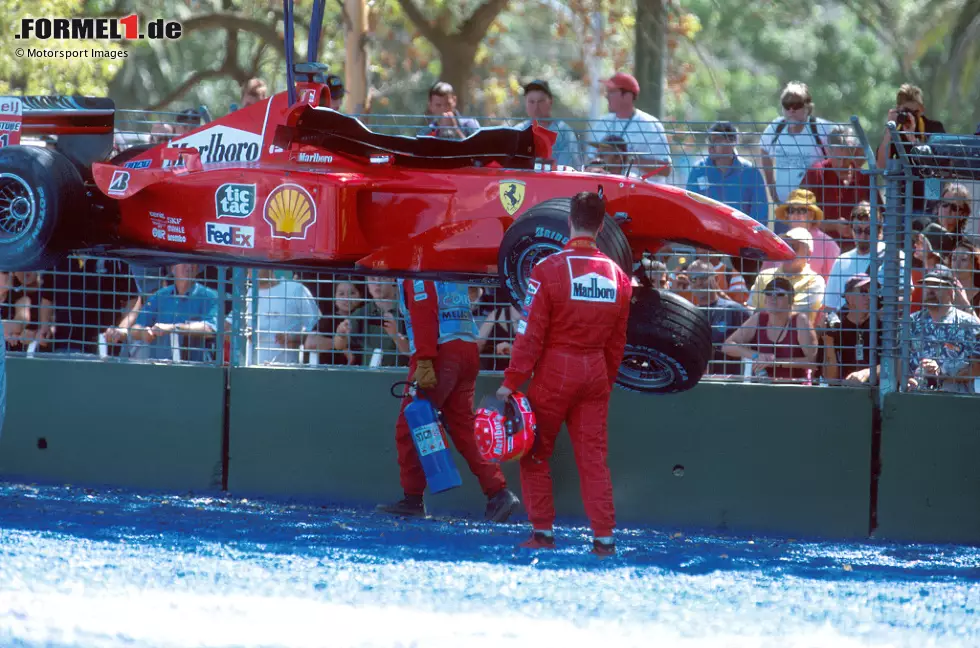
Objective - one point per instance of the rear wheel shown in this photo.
(668, 344)
(37, 186)
(540, 232)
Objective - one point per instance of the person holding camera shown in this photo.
(909, 115)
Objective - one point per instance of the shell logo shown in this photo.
(289, 210)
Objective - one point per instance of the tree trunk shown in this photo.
(457, 61)
(355, 68)
(651, 54)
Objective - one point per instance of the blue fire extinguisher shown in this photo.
(429, 436)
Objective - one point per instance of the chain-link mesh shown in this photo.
(866, 238)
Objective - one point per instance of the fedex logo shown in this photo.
(593, 279)
(239, 236)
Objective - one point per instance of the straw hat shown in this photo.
(800, 197)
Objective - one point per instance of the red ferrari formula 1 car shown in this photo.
(294, 184)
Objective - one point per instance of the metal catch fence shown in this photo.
(865, 238)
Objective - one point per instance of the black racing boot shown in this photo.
(500, 506)
(603, 549)
(410, 506)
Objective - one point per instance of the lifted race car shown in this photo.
(290, 183)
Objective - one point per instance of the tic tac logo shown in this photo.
(593, 279)
(239, 236)
(125, 28)
(234, 200)
(290, 211)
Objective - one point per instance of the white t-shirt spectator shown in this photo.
(644, 134)
(793, 153)
(286, 307)
(849, 264)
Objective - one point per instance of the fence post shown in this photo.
(237, 319)
(874, 324)
(891, 373)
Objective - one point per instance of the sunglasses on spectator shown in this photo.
(861, 229)
(775, 294)
(798, 209)
(793, 105)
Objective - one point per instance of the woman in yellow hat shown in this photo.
(801, 210)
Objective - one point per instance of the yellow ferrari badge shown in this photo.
(511, 195)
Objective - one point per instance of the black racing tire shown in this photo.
(540, 232)
(38, 188)
(668, 344)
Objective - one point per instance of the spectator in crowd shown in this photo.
(254, 91)
(495, 326)
(651, 273)
(847, 336)
(612, 156)
(777, 339)
(801, 210)
(644, 134)
(838, 184)
(331, 331)
(187, 120)
(185, 307)
(377, 335)
(32, 313)
(89, 296)
(944, 352)
(793, 142)
(538, 102)
(725, 315)
(446, 122)
(161, 133)
(808, 286)
(858, 260)
(965, 262)
(952, 216)
(909, 115)
(731, 283)
(337, 91)
(729, 178)
(286, 311)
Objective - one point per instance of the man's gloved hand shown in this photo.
(425, 374)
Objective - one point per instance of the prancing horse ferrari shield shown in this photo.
(511, 195)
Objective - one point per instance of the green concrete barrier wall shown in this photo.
(142, 426)
(788, 460)
(929, 489)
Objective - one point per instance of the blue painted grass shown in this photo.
(82, 567)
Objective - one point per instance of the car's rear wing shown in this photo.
(83, 126)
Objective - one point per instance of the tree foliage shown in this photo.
(85, 75)
(725, 60)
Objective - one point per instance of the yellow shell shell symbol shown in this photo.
(290, 211)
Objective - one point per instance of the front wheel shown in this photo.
(668, 344)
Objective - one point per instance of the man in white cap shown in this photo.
(807, 284)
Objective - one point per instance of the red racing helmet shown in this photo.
(505, 430)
